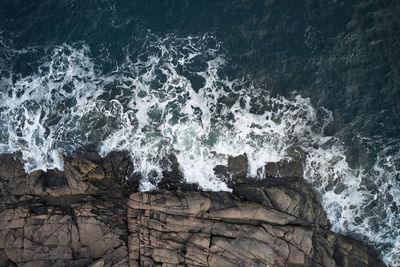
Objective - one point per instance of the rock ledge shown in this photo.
(92, 215)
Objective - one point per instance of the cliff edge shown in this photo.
(91, 214)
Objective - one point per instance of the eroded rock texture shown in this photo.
(270, 223)
(71, 218)
(92, 215)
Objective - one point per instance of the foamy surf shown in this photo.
(174, 95)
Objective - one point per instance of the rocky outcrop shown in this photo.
(71, 218)
(268, 223)
(91, 214)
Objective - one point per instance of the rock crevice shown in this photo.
(92, 215)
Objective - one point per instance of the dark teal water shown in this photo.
(316, 79)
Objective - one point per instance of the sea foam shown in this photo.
(176, 95)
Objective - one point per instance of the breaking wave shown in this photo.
(179, 95)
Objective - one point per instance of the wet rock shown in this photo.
(83, 165)
(93, 157)
(284, 168)
(370, 185)
(340, 187)
(358, 220)
(238, 166)
(173, 179)
(118, 165)
(84, 217)
(54, 183)
(222, 172)
(97, 174)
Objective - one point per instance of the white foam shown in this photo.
(159, 112)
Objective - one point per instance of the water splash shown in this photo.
(179, 95)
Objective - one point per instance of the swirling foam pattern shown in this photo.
(179, 95)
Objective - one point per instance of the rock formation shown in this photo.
(91, 214)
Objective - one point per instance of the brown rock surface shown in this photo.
(65, 218)
(91, 215)
(234, 229)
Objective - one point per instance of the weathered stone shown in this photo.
(56, 221)
(231, 232)
(97, 174)
(55, 184)
(35, 182)
(74, 178)
(83, 165)
(222, 172)
(340, 188)
(290, 195)
(253, 213)
(10, 166)
(118, 165)
(81, 217)
(284, 168)
(238, 166)
(98, 263)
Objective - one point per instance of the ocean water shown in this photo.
(317, 82)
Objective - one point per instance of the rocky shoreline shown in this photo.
(92, 214)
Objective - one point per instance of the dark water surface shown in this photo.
(315, 80)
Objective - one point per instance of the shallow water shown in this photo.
(212, 79)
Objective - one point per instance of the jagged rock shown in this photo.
(118, 165)
(83, 165)
(238, 166)
(83, 217)
(173, 179)
(290, 195)
(222, 172)
(73, 234)
(221, 229)
(59, 218)
(236, 169)
(284, 168)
